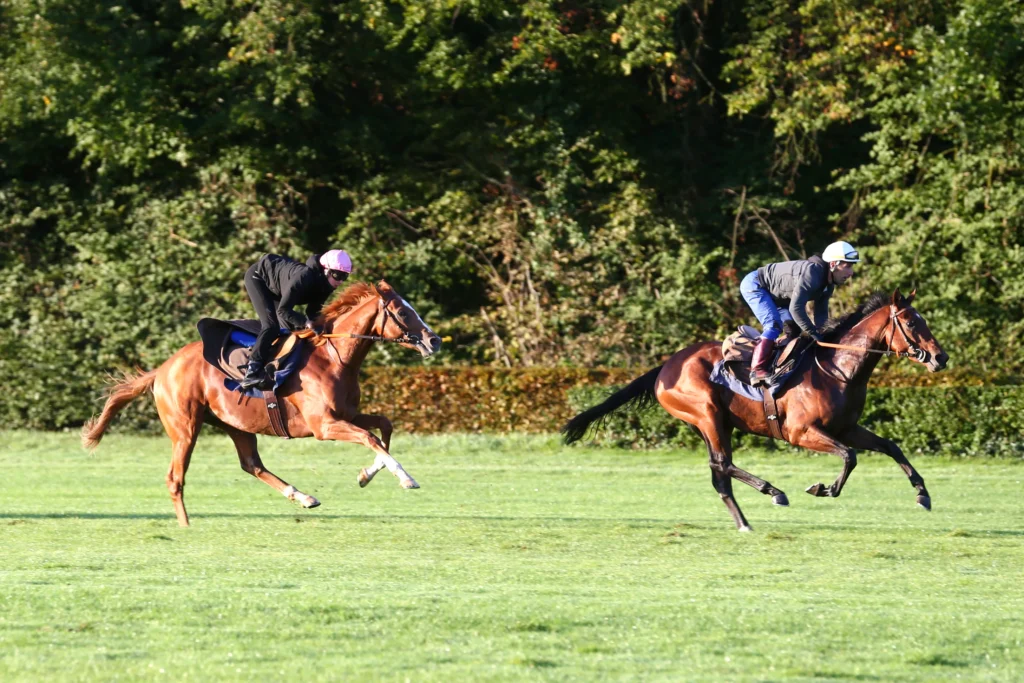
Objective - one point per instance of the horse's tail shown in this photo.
(131, 386)
(638, 395)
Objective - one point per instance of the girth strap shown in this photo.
(276, 414)
(771, 414)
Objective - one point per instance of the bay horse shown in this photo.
(819, 410)
(320, 400)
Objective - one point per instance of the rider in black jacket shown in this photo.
(276, 285)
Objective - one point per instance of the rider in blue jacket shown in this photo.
(781, 291)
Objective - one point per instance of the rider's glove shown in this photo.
(314, 328)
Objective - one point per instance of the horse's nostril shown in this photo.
(435, 343)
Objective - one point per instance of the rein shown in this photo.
(913, 351)
(406, 338)
(372, 337)
(886, 352)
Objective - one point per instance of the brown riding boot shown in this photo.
(761, 363)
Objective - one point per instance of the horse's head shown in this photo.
(908, 334)
(402, 321)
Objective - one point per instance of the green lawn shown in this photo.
(518, 559)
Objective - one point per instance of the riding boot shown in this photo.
(761, 363)
(255, 375)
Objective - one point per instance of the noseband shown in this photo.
(913, 350)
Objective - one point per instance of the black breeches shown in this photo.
(266, 309)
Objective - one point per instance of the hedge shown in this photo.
(951, 420)
(958, 420)
(426, 400)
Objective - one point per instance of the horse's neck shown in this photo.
(869, 333)
(361, 320)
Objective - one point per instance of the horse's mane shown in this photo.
(354, 294)
(835, 328)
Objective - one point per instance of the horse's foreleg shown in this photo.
(859, 437)
(817, 440)
(348, 432)
(383, 424)
(249, 459)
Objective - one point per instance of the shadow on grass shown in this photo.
(18, 518)
(794, 526)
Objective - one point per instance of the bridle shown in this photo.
(387, 314)
(913, 351)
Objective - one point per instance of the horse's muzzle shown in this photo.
(428, 347)
(938, 361)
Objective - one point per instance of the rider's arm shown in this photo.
(821, 309)
(808, 287)
(314, 308)
(293, 295)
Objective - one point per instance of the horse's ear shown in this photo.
(897, 298)
(383, 287)
(910, 297)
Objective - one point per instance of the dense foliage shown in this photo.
(549, 182)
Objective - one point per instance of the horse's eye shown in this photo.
(911, 324)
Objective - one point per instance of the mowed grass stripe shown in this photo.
(517, 560)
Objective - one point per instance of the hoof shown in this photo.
(410, 484)
(363, 478)
(925, 502)
(309, 502)
(744, 529)
(819, 490)
(780, 500)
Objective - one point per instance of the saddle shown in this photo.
(733, 371)
(227, 346)
(738, 351)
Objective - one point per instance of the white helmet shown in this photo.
(840, 251)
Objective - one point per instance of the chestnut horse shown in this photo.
(819, 410)
(320, 400)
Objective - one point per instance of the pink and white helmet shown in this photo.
(337, 259)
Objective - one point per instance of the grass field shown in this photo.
(516, 560)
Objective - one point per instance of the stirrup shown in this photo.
(761, 379)
(253, 380)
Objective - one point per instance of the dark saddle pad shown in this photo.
(738, 351)
(227, 345)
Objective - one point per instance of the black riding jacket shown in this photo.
(295, 284)
(793, 284)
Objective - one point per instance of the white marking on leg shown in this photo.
(306, 501)
(385, 460)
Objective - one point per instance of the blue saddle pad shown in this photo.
(720, 374)
(285, 369)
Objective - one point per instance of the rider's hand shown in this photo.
(816, 337)
(314, 328)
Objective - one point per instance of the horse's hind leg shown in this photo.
(756, 483)
(183, 428)
(720, 460)
(249, 458)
